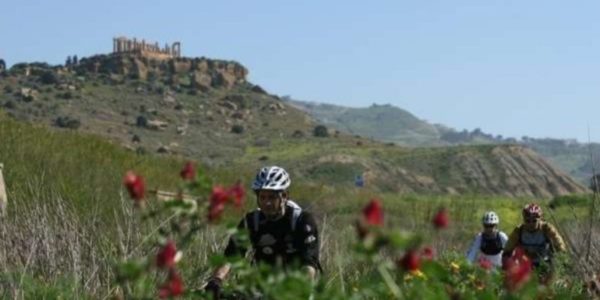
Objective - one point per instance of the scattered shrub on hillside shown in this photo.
(66, 95)
(298, 134)
(10, 104)
(67, 122)
(237, 128)
(8, 89)
(193, 92)
(141, 121)
(321, 131)
(49, 77)
(141, 150)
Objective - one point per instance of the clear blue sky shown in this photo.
(509, 67)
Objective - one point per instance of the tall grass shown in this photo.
(68, 222)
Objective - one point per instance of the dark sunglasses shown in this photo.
(530, 220)
(489, 225)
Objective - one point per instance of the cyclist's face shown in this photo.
(489, 228)
(530, 222)
(271, 202)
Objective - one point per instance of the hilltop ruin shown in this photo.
(123, 45)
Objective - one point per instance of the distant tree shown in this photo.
(75, 60)
(69, 61)
(320, 131)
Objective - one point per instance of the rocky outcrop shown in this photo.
(203, 73)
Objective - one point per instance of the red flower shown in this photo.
(173, 287)
(518, 270)
(188, 172)
(217, 202)
(238, 194)
(441, 219)
(135, 185)
(427, 253)
(373, 213)
(166, 256)
(410, 261)
(485, 263)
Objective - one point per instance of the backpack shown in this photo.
(296, 212)
(491, 246)
(536, 244)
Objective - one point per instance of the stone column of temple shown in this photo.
(176, 49)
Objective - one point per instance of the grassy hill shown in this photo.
(381, 122)
(388, 123)
(206, 110)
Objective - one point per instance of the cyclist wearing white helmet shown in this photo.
(281, 233)
(489, 243)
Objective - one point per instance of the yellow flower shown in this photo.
(471, 277)
(479, 285)
(408, 277)
(418, 274)
(454, 267)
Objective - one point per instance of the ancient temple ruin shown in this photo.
(141, 47)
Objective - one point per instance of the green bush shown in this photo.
(321, 131)
(67, 122)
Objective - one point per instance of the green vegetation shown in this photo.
(239, 126)
(69, 223)
(388, 123)
(381, 122)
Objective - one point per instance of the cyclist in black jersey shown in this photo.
(281, 233)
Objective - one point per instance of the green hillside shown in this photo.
(388, 123)
(206, 110)
(381, 122)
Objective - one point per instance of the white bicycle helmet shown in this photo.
(490, 218)
(271, 178)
